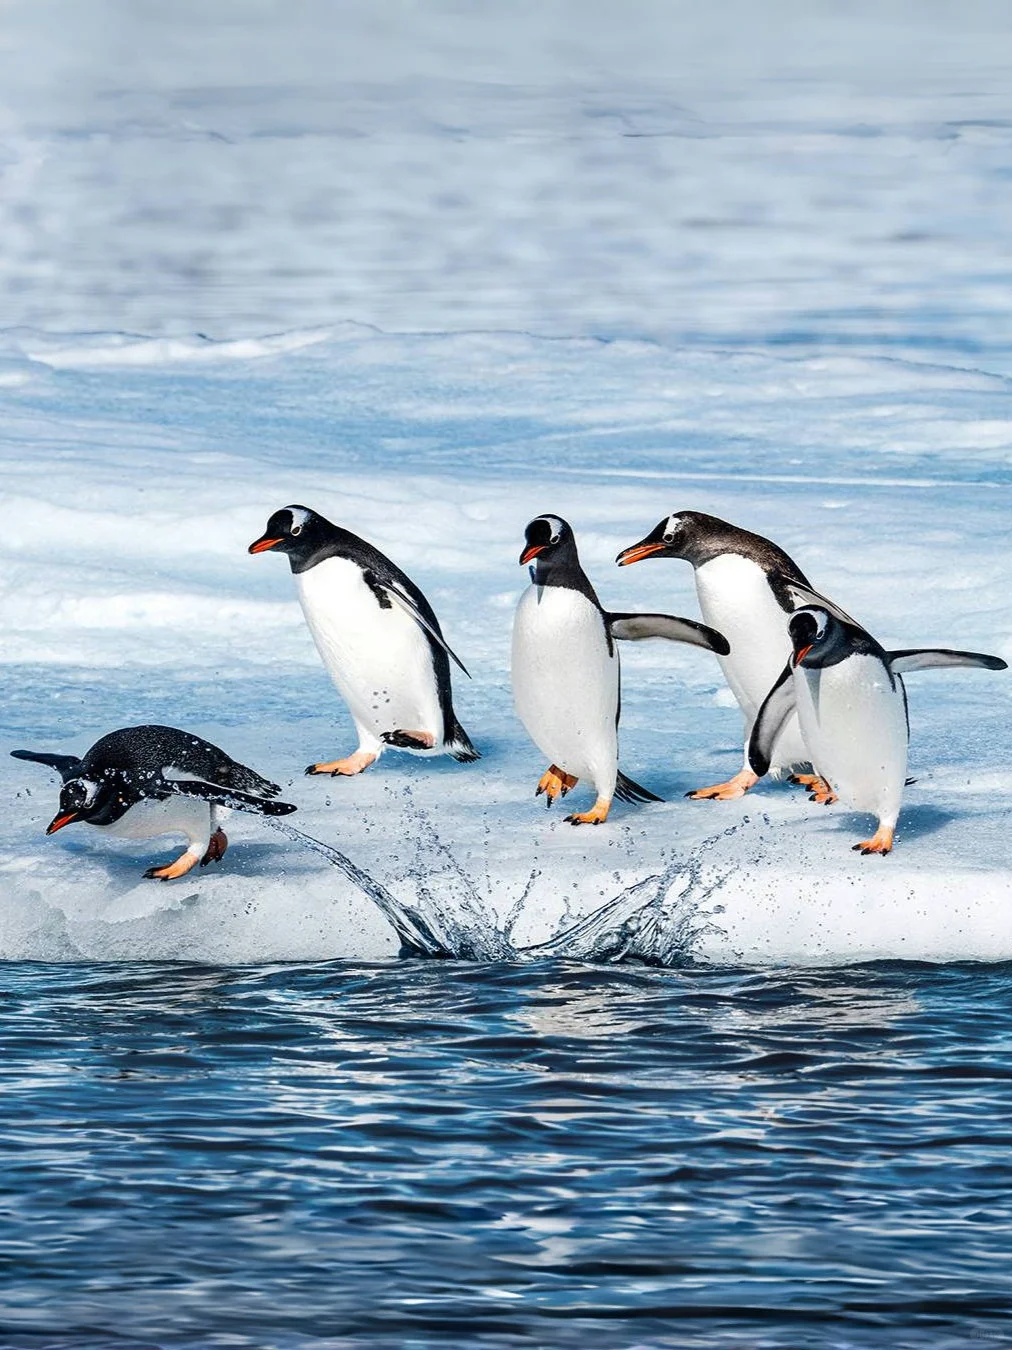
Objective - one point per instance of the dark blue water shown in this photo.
(435, 1154)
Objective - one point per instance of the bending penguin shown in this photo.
(379, 639)
(852, 708)
(565, 669)
(741, 580)
(141, 782)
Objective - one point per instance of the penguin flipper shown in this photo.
(67, 766)
(777, 707)
(929, 658)
(636, 627)
(224, 796)
(414, 609)
(628, 791)
(805, 595)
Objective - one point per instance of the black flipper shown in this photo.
(636, 627)
(67, 766)
(777, 707)
(628, 791)
(224, 796)
(928, 658)
(804, 595)
(408, 603)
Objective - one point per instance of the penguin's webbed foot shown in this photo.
(597, 814)
(170, 871)
(726, 792)
(880, 842)
(409, 740)
(817, 787)
(216, 847)
(554, 782)
(344, 768)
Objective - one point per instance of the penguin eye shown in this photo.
(554, 539)
(669, 537)
(296, 529)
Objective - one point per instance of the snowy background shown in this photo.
(434, 269)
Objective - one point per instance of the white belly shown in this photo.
(854, 723)
(735, 598)
(565, 683)
(379, 659)
(188, 816)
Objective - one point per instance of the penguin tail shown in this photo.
(628, 791)
(459, 746)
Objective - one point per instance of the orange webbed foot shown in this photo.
(216, 847)
(818, 788)
(345, 768)
(554, 782)
(730, 791)
(597, 814)
(880, 842)
(170, 871)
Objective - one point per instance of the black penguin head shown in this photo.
(817, 637)
(674, 537)
(550, 541)
(294, 530)
(80, 799)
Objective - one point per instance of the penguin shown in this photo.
(741, 582)
(848, 694)
(141, 782)
(379, 639)
(565, 669)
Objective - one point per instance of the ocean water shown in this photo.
(442, 1154)
(707, 1078)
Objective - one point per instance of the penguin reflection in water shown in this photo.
(379, 639)
(850, 701)
(141, 782)
(565, 669)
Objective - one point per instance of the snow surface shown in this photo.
(607, 276)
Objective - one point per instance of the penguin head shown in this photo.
(672, 538)
(550, 543)
(294, 530)
(80, 799)
(816, 637)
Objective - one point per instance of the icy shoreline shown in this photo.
(136, 474)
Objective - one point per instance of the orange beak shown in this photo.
(531, 552)
(59, 822)
(800, 656)
(262, 545)
(637, 552)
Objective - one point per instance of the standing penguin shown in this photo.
(741, 581)
(379, 639)
(565, 669)
(852, 708)
(141, 782)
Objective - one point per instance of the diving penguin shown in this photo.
(851, 705)
(565, 669)
(741, 580)
(141, 782)
(379, 639)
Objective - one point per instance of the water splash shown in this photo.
(655, 921)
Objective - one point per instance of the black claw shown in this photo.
(310, 770)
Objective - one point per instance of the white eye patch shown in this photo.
(555, 525)
(299, 518)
